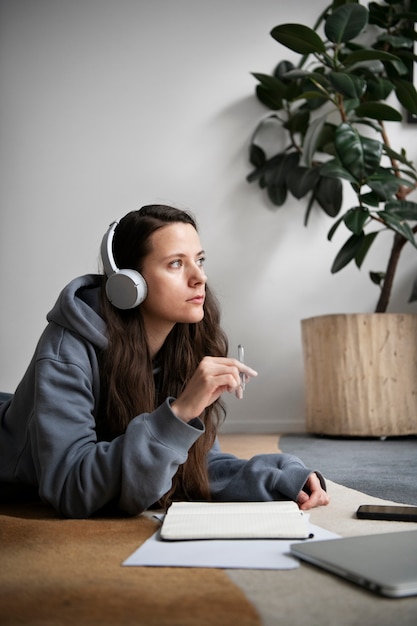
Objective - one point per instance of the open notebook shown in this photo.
(234, 520)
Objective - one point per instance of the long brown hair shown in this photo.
(130, 385)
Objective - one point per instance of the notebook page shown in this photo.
(234, 520)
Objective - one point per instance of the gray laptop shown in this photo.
(384, 563)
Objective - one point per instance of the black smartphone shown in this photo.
(387, 512)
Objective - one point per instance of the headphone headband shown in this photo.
(107, 250)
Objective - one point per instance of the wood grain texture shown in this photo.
(361, 374)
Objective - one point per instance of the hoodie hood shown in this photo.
(77, 310)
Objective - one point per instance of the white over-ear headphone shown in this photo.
(127, 288)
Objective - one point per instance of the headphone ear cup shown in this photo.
(126, 289)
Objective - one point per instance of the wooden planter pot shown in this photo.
(361, 374)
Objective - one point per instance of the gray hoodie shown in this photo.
(48, 430)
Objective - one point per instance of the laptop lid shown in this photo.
(385, 563)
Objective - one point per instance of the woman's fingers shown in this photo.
(316, 495)
(213, 376)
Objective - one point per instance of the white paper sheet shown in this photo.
(224, 554)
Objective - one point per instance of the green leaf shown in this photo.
(334, 228)
(350, 105)
(308, 209)
(397, 156)
(346, 23)
(295, 74)
(377, 277)
(355, 219)
(282, 69)
(312, 95)
(271, 90)
(371, 199)
(363, 250)
(404, 209)
(410, 173)
(299, 38)
(358, 56)
(318, 79)
(298, 122)
(326, 143)
(407, 95)
(347, 252)
(379, 14)
(264, 96)
(257, 156)
(348, 85)
(369, 68)
(399, 68)
(358, 155)
(268, 165)
(398, 225)
(384, 190)
(275, 177)
(273, 84)
(300, 180)
(312, 138)
(317, 89)
(378, 111)
(386, 184)
(292, 90)
(396, 41)
(277, 194)
(378, 88)
(329, 194)
(334, 169)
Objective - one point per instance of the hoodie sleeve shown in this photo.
(77, 474)
(263, 477)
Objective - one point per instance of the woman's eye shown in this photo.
(177, 263)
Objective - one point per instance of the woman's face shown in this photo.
(174, 273)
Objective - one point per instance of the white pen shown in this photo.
(241, 358)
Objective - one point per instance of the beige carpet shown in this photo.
(64, 572)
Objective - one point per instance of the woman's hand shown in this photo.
(213, 376)
(312, 494)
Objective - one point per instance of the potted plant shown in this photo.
(332, 111)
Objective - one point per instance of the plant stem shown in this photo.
(399, 240)
(394, 256)
(385, 295)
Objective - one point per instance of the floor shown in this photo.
(247, 445)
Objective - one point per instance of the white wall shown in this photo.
(108, 105)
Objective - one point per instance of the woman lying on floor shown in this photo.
(121, 402)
